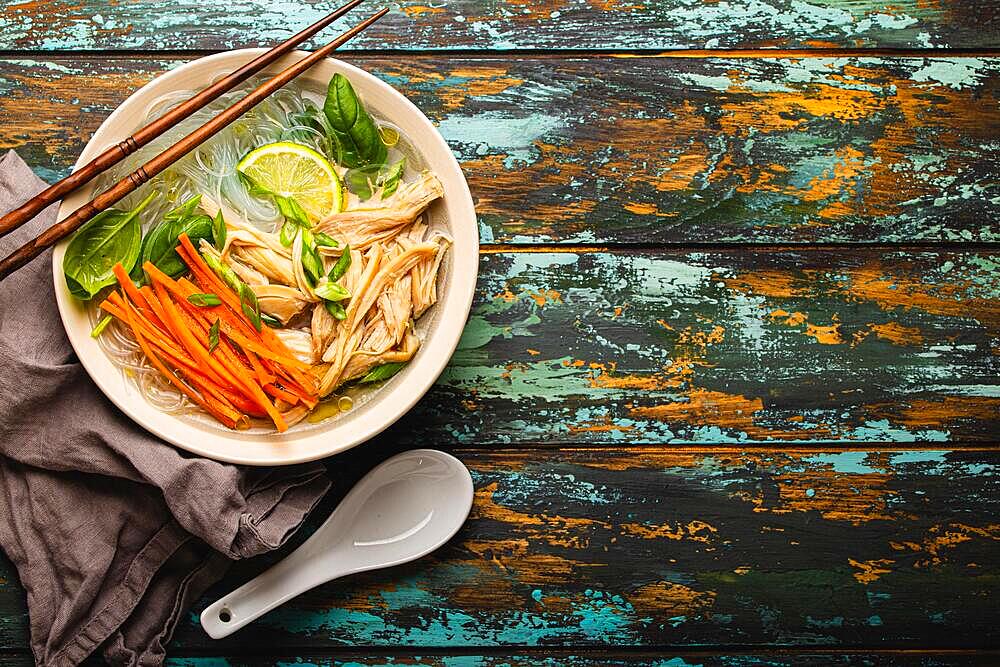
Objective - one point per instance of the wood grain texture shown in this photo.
(497, 25)
(651, 150)
(610, 659)
(669, 550)
(550, 657)
(723, 347)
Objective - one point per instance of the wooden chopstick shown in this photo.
(143, 136)
(71, 223)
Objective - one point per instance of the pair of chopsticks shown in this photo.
(123, 149)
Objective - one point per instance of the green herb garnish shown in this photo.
(331, 291)
(325, 240)
(218, 231)
(213, 336)
(271, 321)
(204, 300)
(344, 263)
(159, 246)
(383, 372)
(390, 178)
(100, 326)
(335, 309)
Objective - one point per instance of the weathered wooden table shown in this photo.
(729, 391)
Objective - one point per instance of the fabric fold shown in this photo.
(113, 532)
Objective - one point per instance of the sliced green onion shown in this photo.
(213, 336)
(383, 372)
(331, 291)
(204, 300)
(340, 268)
(325, 240)
(335, 309)
(219, 231)
(101, 326)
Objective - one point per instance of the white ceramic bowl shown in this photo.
(441, 327)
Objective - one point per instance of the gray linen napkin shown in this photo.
(114, 533)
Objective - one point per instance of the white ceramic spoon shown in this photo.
(403, 509)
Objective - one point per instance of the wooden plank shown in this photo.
(551, 658)
(487, 24)
(664, 150)
(668, 549)
(557, 658)
(709, 347)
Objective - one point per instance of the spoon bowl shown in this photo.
(403, 509)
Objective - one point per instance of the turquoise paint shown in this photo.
(850, 463)
(518, 489)
(514, 137)
(929, 457)
(956, 73)
(876, 430)
(835, 622)
(536, 595)
(875, 620)
(595, 618)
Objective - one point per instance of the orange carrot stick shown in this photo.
(237, 376)
(129, 287)
(175, 355)
(219, 412)
(278, 392)
(209, 280)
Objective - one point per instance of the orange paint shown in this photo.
(706, 407)
(943, 538)
(417, 10)
(694, 531)
(897, 334)
(870, 570)
(828, 335)
(542, 297)
(665, 599)
(927, 413)
(791, 319)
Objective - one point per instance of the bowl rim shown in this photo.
(395, 399)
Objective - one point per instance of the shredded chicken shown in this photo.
(280, 301)
(392, 281)
(362, 227)
(299, 341)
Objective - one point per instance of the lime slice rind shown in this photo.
(293, 170)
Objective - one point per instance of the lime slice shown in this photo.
(293, 170)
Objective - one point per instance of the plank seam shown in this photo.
(535, 53)
(583, 651)
(726, 448)
(920, 246)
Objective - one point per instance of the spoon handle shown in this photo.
(306, 567)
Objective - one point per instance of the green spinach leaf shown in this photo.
(353, 128)
(111, 237)
(159, 246)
